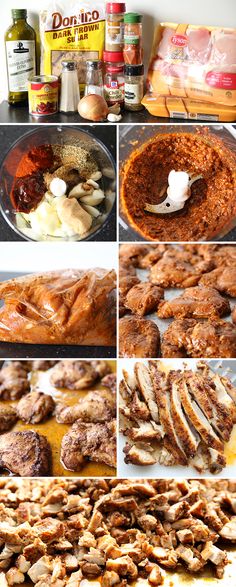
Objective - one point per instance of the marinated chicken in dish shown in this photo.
(188, 419)
(89, 441)
(35, 407)
(26, 454)
(14, 380)
(138, 337)
(96, 406)
(188, 338)
(8, 417)
(77, 374)
(60, 307)
(223, 279)
(144, 298)
(196, 302)
(131, 530)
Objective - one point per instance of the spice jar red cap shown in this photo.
(113, 56)
(115, 7)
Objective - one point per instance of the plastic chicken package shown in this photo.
(192, 72)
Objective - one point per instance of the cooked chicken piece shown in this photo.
(22, 564)
(49, 529)
(186, 554)
(145, 384)
(109, 579)
(124, 566)
(145, 432)
(40, 568)
(179, 269)
(140, 454)
(133, 253)
(73, 374)
(143, 298)
(110, 381)
(215, 410)
(138, 337)
(86, 441)
(14, 576)
(196, 302)
(14, 380)
(187, 337)
(26, 453)
(212, 553)
(125, 283)
(177, 511)
(224, 255)
(96, 406)
(102, 368)
(171, 440)
(122, 309)
(197, 418)
(8, 417)
(167, 558)
(42, 365)
(223, 278)
(189, 438)
(35, 407)
(216, 460)
(228, 532)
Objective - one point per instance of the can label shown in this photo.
(20, 64)
(114, 92)
(43, 98)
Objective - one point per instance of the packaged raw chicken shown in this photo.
(194, 62)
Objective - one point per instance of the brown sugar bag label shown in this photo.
(71, 31)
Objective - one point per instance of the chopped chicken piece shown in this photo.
(14, 576)
(228, 532)
(49, 529)
(124, 566)
(41, 567)
(156, 577)
(212, 553)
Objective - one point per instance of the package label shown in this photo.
(20, 64)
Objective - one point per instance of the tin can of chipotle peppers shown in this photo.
(43, 95)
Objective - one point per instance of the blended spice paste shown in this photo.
(212, 204)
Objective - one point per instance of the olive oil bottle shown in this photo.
(20, 41)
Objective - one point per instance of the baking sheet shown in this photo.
(53, 431)
(224, 367)
(10, 350)
(170, 294)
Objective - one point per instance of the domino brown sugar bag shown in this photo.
(194, 62)
(71, 30)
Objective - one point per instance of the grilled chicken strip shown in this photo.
(171, 440)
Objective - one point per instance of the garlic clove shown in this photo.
(58, 187)
(93, 183)
(108, 172)
(96, 175)
(96, 198)
(114, 117)
(79, 190)
(94, 212)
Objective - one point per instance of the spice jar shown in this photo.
(114, 39)
(133, 49)
(133, 87)
(114, 83)
(70, 93)
(94, 79)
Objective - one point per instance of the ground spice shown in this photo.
(39, 158)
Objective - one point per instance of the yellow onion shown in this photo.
(93, 107)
